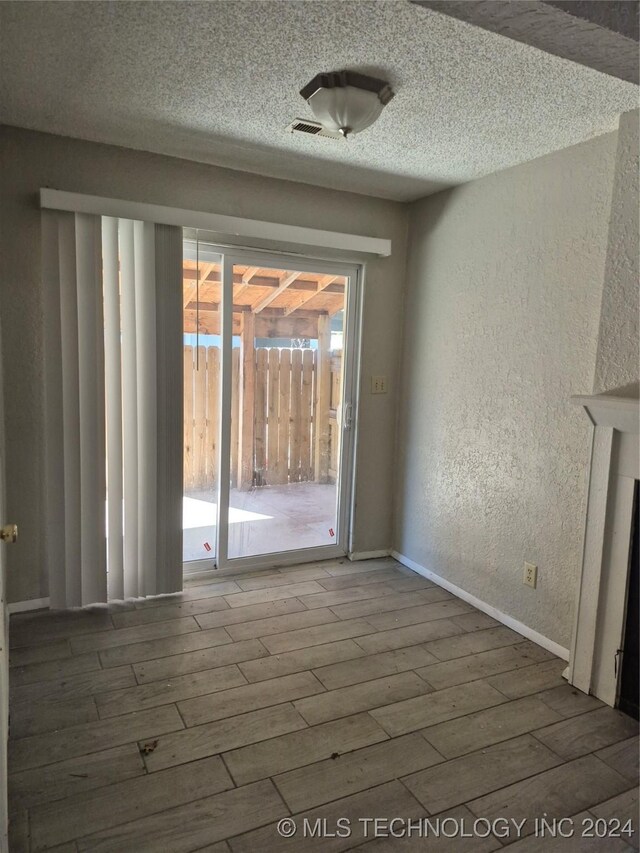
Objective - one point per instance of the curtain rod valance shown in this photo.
(216, 222)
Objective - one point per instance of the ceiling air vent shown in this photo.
(313, 128)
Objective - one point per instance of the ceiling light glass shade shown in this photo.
(345, 101)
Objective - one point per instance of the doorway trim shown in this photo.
(602, 591)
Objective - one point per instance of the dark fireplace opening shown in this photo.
(629, 685)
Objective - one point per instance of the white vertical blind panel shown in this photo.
(145, 294)
(70, 411)
(92, 414)
(55, 557)
(113, 398)
(129, 407)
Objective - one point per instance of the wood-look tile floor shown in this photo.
(333, 690)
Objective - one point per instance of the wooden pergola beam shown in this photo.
(301, 284)
(248, 274)
(322, 285)
(192, 289)
(285, 281)
(266, 326)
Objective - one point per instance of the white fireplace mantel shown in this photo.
(602, 591)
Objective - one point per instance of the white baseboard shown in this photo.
(369, 555)
(509, 621)
(30, 604)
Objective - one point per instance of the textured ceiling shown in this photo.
(218, 82)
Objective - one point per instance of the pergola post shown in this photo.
(323, 399)
(247, 390)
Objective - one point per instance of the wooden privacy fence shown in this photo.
(292, 442)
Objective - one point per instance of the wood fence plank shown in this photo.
(295, 415)
(199, 418)
(260, 415)
(284, 416)
(246, 402)
(235, 416)
(213, 415)
(323, 400)
(305, 414)
(273, 472)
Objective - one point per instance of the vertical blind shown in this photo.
(113, 398)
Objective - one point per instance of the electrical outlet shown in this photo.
(378, 384)
(530, 575)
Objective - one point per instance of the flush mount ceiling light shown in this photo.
(346, 102)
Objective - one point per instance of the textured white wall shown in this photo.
(501, 326)
(618, 359)
(32, 160)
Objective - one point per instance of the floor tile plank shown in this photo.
(361, 697)
(126, 801)
(360, 566)
(344, 596)
(372, 666)
(332, 584)
(31, 629)
(167, 612)
(390, 800)
(568, 700)
(66, 778)
(58, 668)
(300, 659)
(623, 757)
(302, 748)
(492, 725)
(281, 624)
(192, 825)
(559, 792)
(39, 750)
(262, 596)
(623, 807)
(587, 732)
(473, 642)
(239, 700)
(465, 669)
(306, 637)
(470, 776)
(253, 612)
(223, 735)
(412, 635)
(296, 576)
(319, 783)
(533, 679)
(163, 647)
(396, 601)
(125, 636)
(39, 654)
(453, 841)
(203, 659)
(578, 843)
(165, 692)
(32, 718)
(415, 615)
(475, 621)
(423, 711)
(75, 686)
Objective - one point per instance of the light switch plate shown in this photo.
(378, 384)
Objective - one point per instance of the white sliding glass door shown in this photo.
(270, 365)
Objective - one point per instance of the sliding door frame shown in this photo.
(223, 564)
